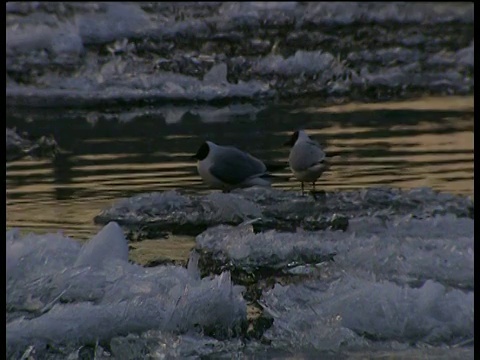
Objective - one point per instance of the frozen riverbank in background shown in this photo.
(80, 54)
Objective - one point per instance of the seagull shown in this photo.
(307, 160)
(228, 168)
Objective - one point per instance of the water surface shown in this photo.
(108, 154)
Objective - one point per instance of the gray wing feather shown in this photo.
(233, 166)
(305, 155)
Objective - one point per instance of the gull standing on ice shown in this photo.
(228, 168)
(307, 159)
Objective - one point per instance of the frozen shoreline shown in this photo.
(115, 53)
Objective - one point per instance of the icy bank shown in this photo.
(277, 209)
(395, 283)
(405, 250)
(352, 313)
(62, 294)
(79, 54)
(18, 146)
(400, 284)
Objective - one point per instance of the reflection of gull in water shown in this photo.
(211, 114)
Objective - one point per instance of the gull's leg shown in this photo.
(315, 193)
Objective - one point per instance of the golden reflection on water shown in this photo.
(406, 156)
(434, 103)
(176, 248)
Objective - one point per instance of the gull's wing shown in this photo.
(305, 155)
(233, 166)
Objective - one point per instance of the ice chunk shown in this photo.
(123, 82)
(174, 212)
(109, 243)
(56, 41)
(26, 255)
(409, 250)
(348, 13)
(86, 323)
(279, 209)
(158, 344)
(192, 265)
(18, 146)
(403, 250)
(171, 346)
(116, 22)
(242, 249)
(217, 74)
(51, 301)
(350, 308)
(465, 56)
(303, 62)
(212, 305)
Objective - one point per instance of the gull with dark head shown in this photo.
(307, 159)
(228, 168)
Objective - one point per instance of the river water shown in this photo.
(114, 153)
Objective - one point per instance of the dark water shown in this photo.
(115, 153)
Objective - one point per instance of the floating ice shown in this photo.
(350, 309)
(277, 209)
(167, 345)
(26, 255)
(109, 243)
(60, 293)
(118, 84)
(410, 251)
(242, 249)
(93, 53)
(18, 146)
(116, 21)
(466, 55)
(346, 312)
(180, 213)
(403, 250)
(303, 62)
(397, 12)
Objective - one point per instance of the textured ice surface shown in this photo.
(163, 345)
(175, 212)
(61, 293)
(399, 286)
(171, 346)
(156, 344)
(351, 313)
(305, 62)
(108, 244)
(111, 83)
(116, 21)
(278, 209)
(403, 250)
(94, 53)
(241, 248)
(408, 250)
(18, 146)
